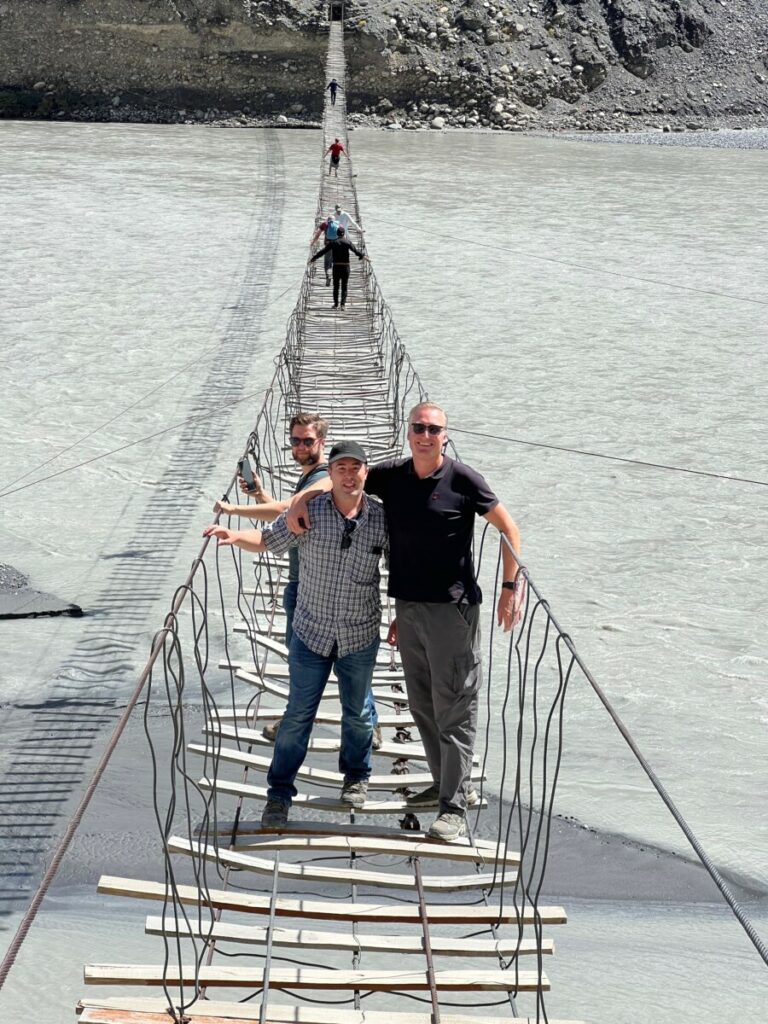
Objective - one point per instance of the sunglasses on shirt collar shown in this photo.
(349, 529)
(427, 428)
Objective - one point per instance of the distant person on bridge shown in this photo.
(344, 220)
(336, 148)
(332, 86)
(330, 226)
(431, 502)
(337, 623)
(340, 250)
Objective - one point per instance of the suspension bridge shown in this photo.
(343, 916)
(375, 956)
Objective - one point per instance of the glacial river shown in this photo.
(583, 298)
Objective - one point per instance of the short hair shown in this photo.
(428, 405)
(341, 232)
(310, 419)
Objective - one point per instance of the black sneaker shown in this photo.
(428, 797)
(431, 795)
(275, 814)
(354, 792)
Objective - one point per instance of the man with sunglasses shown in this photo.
(337, 622)
(306, 433)
(431, 502)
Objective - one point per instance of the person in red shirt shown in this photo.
(335, 149)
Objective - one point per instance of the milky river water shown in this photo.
(559, 299)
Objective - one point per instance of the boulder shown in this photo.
(437, 122)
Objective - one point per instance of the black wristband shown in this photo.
(509, 585)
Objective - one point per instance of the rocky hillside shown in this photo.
(505, 64)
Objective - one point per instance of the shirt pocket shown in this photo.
(364, 566)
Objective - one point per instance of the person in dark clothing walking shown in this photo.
(332, 86)
(340, 250)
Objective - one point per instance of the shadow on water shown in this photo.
(46, 764)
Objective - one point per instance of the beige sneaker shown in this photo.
(269, 731)
(448, 827)
(376, 741)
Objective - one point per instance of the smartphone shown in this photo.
(245, 471)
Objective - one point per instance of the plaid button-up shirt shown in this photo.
(338, 602)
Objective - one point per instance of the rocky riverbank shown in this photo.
(507, 65)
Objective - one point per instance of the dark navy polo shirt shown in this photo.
(431, 525)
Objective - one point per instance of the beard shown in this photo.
(310, 459)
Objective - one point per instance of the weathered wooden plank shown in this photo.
(392, 720)
(383, 657)
(315, 978)
(251, 827)
(332, 910)
(471, 881)
(304, 938)
(319, 776)
(279, 670)
(366, 846)
(397, 751)
(153, 1011)
(267, 685)
(317, 803)
(381, 686)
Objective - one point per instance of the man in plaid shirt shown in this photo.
(336, 624)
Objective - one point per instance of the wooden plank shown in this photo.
(266, 684)
(332, 910)
(304, 938)
(486, 847)
(315, 978)
(313, 873)
(319, 776)
(387, 721)
(378, 682)
(368, 845)
(316, 803)
(397, 751)
(275, 647)
(154, 1011)
(279, 670)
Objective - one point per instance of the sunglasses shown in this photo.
(427, 428)
(349, 529)
(297, 442)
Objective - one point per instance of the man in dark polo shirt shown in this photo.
(431, 502)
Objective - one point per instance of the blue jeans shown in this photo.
(290, 597)
(309, 673)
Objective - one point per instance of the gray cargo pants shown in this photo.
(440, 649)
